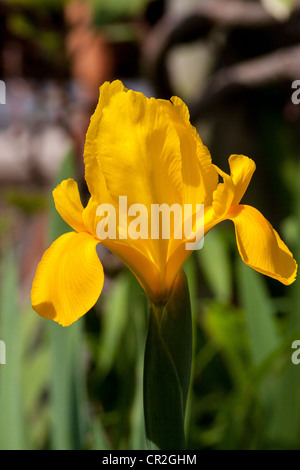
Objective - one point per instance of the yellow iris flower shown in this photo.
(147, 150)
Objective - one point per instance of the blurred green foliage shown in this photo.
(27, 202)
(109, 11)
(24, 28)
(81, 387)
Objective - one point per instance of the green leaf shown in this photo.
(12, 436)
(284, 425)
(114, 322)
(216, 266)
(167, 368)
(100, 440)
(68, 404)
(226, 326)
(259, 313)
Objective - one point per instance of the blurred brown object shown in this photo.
(90, 55)
(91, 63)
(251, 49)
(12, 59)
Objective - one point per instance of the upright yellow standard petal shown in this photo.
(69, 278)
(93, 171)
(145, 148)
(199, 176)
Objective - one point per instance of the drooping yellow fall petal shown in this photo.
(260, 246)
(68, 204)
(69, 278)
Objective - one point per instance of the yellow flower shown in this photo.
(147, 150)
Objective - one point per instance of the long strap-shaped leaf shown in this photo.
(167, 368)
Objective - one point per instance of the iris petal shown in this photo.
(199, 175)
(135, 156)
(93, 170)
(69, 278)
(233, 187)
(241, 170)
(260, 246)
(68, 204)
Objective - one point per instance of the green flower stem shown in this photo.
(167, 368)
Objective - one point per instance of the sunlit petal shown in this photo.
(138, 158)
(69, 278)
(199, 176)
(89, 217)
(150, 275)
(93, 171)
(260, 245)
(241, 170)
(231, 190)
(68, 204)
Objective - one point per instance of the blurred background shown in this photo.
(233, 62)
